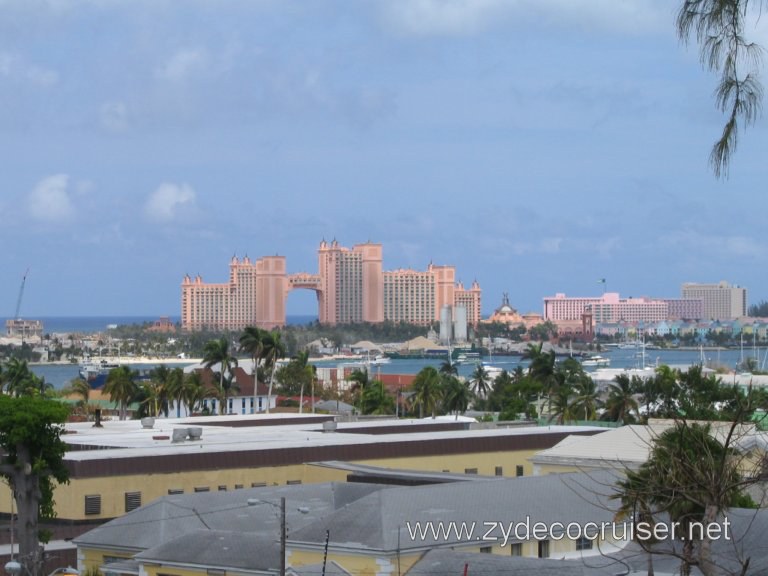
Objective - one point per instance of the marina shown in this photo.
(61, 374)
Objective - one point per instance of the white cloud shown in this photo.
(16, 68)
(169, 201)
(464, 17)
(689, 241)
(50, 200)
(184, 64)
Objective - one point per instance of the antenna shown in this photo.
(21, 294)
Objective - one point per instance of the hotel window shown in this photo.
(518, 470)
(516, 549)
(258, 484)
(583, 543)
(93, 504)
(202, 489)
(222, 487)
(293, 482)
(132, 501)
(470, 470)
(543, 548)
(486, 549)
(499, 471)
(173, 491)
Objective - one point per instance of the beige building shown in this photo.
(719, 301)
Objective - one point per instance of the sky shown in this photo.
(537, 145)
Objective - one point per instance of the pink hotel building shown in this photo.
(609, 308)
(350, 284)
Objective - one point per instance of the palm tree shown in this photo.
(252, 341)
(621, 406)
(427, 387)
(376, 400)
(156, 390)
(17, 377)
(121, 388)
(542, 364)
(217, 352)
(481, 383)
(81, 388)
(586, 400)
(560, 406)
(306, 373)
(194, 391)
(360, 381)
(273, 349)
(174, 388)
(448, 367)
(457, 395)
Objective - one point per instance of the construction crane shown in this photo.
(21, 295)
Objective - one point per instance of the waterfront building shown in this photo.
(585, 315)
(684, 308)
(350, 284)
(18, 328)
(720, 301)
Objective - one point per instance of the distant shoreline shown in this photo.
(123, 360)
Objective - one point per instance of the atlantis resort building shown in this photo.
(350, 284)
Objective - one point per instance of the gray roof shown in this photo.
(381, 520)
(334, 406)
(219, 549)
(747, 541)
(171, 517)
(443, 561)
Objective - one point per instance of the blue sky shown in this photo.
(537, 145)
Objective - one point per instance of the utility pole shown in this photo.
(282, 534)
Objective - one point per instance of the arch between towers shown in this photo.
(303, 281)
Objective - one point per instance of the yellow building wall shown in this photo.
(484, 462)
(93, 558)
(70, 498)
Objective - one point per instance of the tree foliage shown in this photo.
(30, 438)
(693, 475)
(719, 27)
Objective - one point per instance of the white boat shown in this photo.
(379, 360)
(596, 361)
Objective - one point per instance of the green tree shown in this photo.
(448, 367)
(217, 352)
(360, 381)
(121, 388)
(274, 349)
(586, 398)
(693, 475)
(194, 392)
(481, 382)
(376, 399)
(457, 395)
(427, 387)
(252, 342)
(30, 438)
(620, 405)
(542, 364)
(719, 27)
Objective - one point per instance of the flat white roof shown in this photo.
(129, 439)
